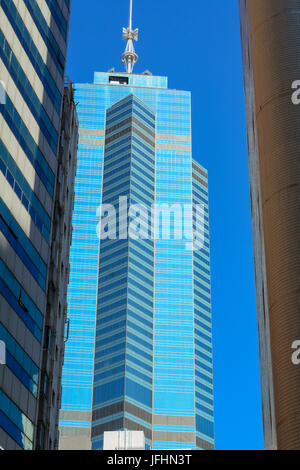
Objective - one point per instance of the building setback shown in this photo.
(270, 42)
(37, 163)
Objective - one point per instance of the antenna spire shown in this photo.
(129, 57)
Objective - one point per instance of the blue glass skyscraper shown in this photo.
(139, 355)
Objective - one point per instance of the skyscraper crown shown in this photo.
(129, 57)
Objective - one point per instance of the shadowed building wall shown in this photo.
(271, 39)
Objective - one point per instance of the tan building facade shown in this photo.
(270, 42)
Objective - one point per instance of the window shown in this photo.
(118, 80)
(48, 338)
(45, 384)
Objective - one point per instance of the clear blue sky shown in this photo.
(196, 44)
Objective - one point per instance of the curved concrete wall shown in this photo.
(274, 35)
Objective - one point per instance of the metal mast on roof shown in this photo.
(129, 57)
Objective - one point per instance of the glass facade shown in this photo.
(204, 400)
(124, 333)
(151, 306)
